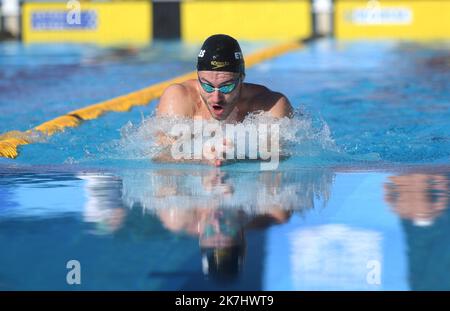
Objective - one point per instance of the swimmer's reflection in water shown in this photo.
(221, 234)
(216, 207)
(219, 208)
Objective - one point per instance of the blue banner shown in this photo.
(62, 20)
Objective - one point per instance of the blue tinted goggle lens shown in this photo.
(225, 89)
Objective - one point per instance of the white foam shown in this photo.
(298, 135)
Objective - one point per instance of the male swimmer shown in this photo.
(219, 92)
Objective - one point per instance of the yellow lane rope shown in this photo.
(10, 141)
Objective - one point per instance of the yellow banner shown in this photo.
(247, 20)
(102, 23)
(416, 19)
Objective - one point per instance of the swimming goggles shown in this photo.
(224, 89)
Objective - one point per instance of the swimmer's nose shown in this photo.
(216, 97)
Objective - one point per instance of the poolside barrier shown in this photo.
(397, 19)
(140, 21)
(103, 23)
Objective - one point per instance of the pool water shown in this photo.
(361, 203)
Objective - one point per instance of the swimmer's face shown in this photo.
(219, 104)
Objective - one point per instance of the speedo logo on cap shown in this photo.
(217, 65)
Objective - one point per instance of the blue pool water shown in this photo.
(361, 204)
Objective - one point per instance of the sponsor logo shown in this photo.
(217, 65)
(63, 20)
(375, 14)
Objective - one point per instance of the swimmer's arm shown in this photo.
(275, 217)
(172, 103)
(175, 101)
(282, 107)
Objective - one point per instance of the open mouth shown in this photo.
(217, 109)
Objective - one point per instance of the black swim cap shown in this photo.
(221, 53)
(222, 264)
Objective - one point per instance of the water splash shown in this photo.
(299, 136)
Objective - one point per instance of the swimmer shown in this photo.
(219, 92)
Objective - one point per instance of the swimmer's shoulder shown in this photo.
(177, 90)
(261, 97)
(177, 100)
